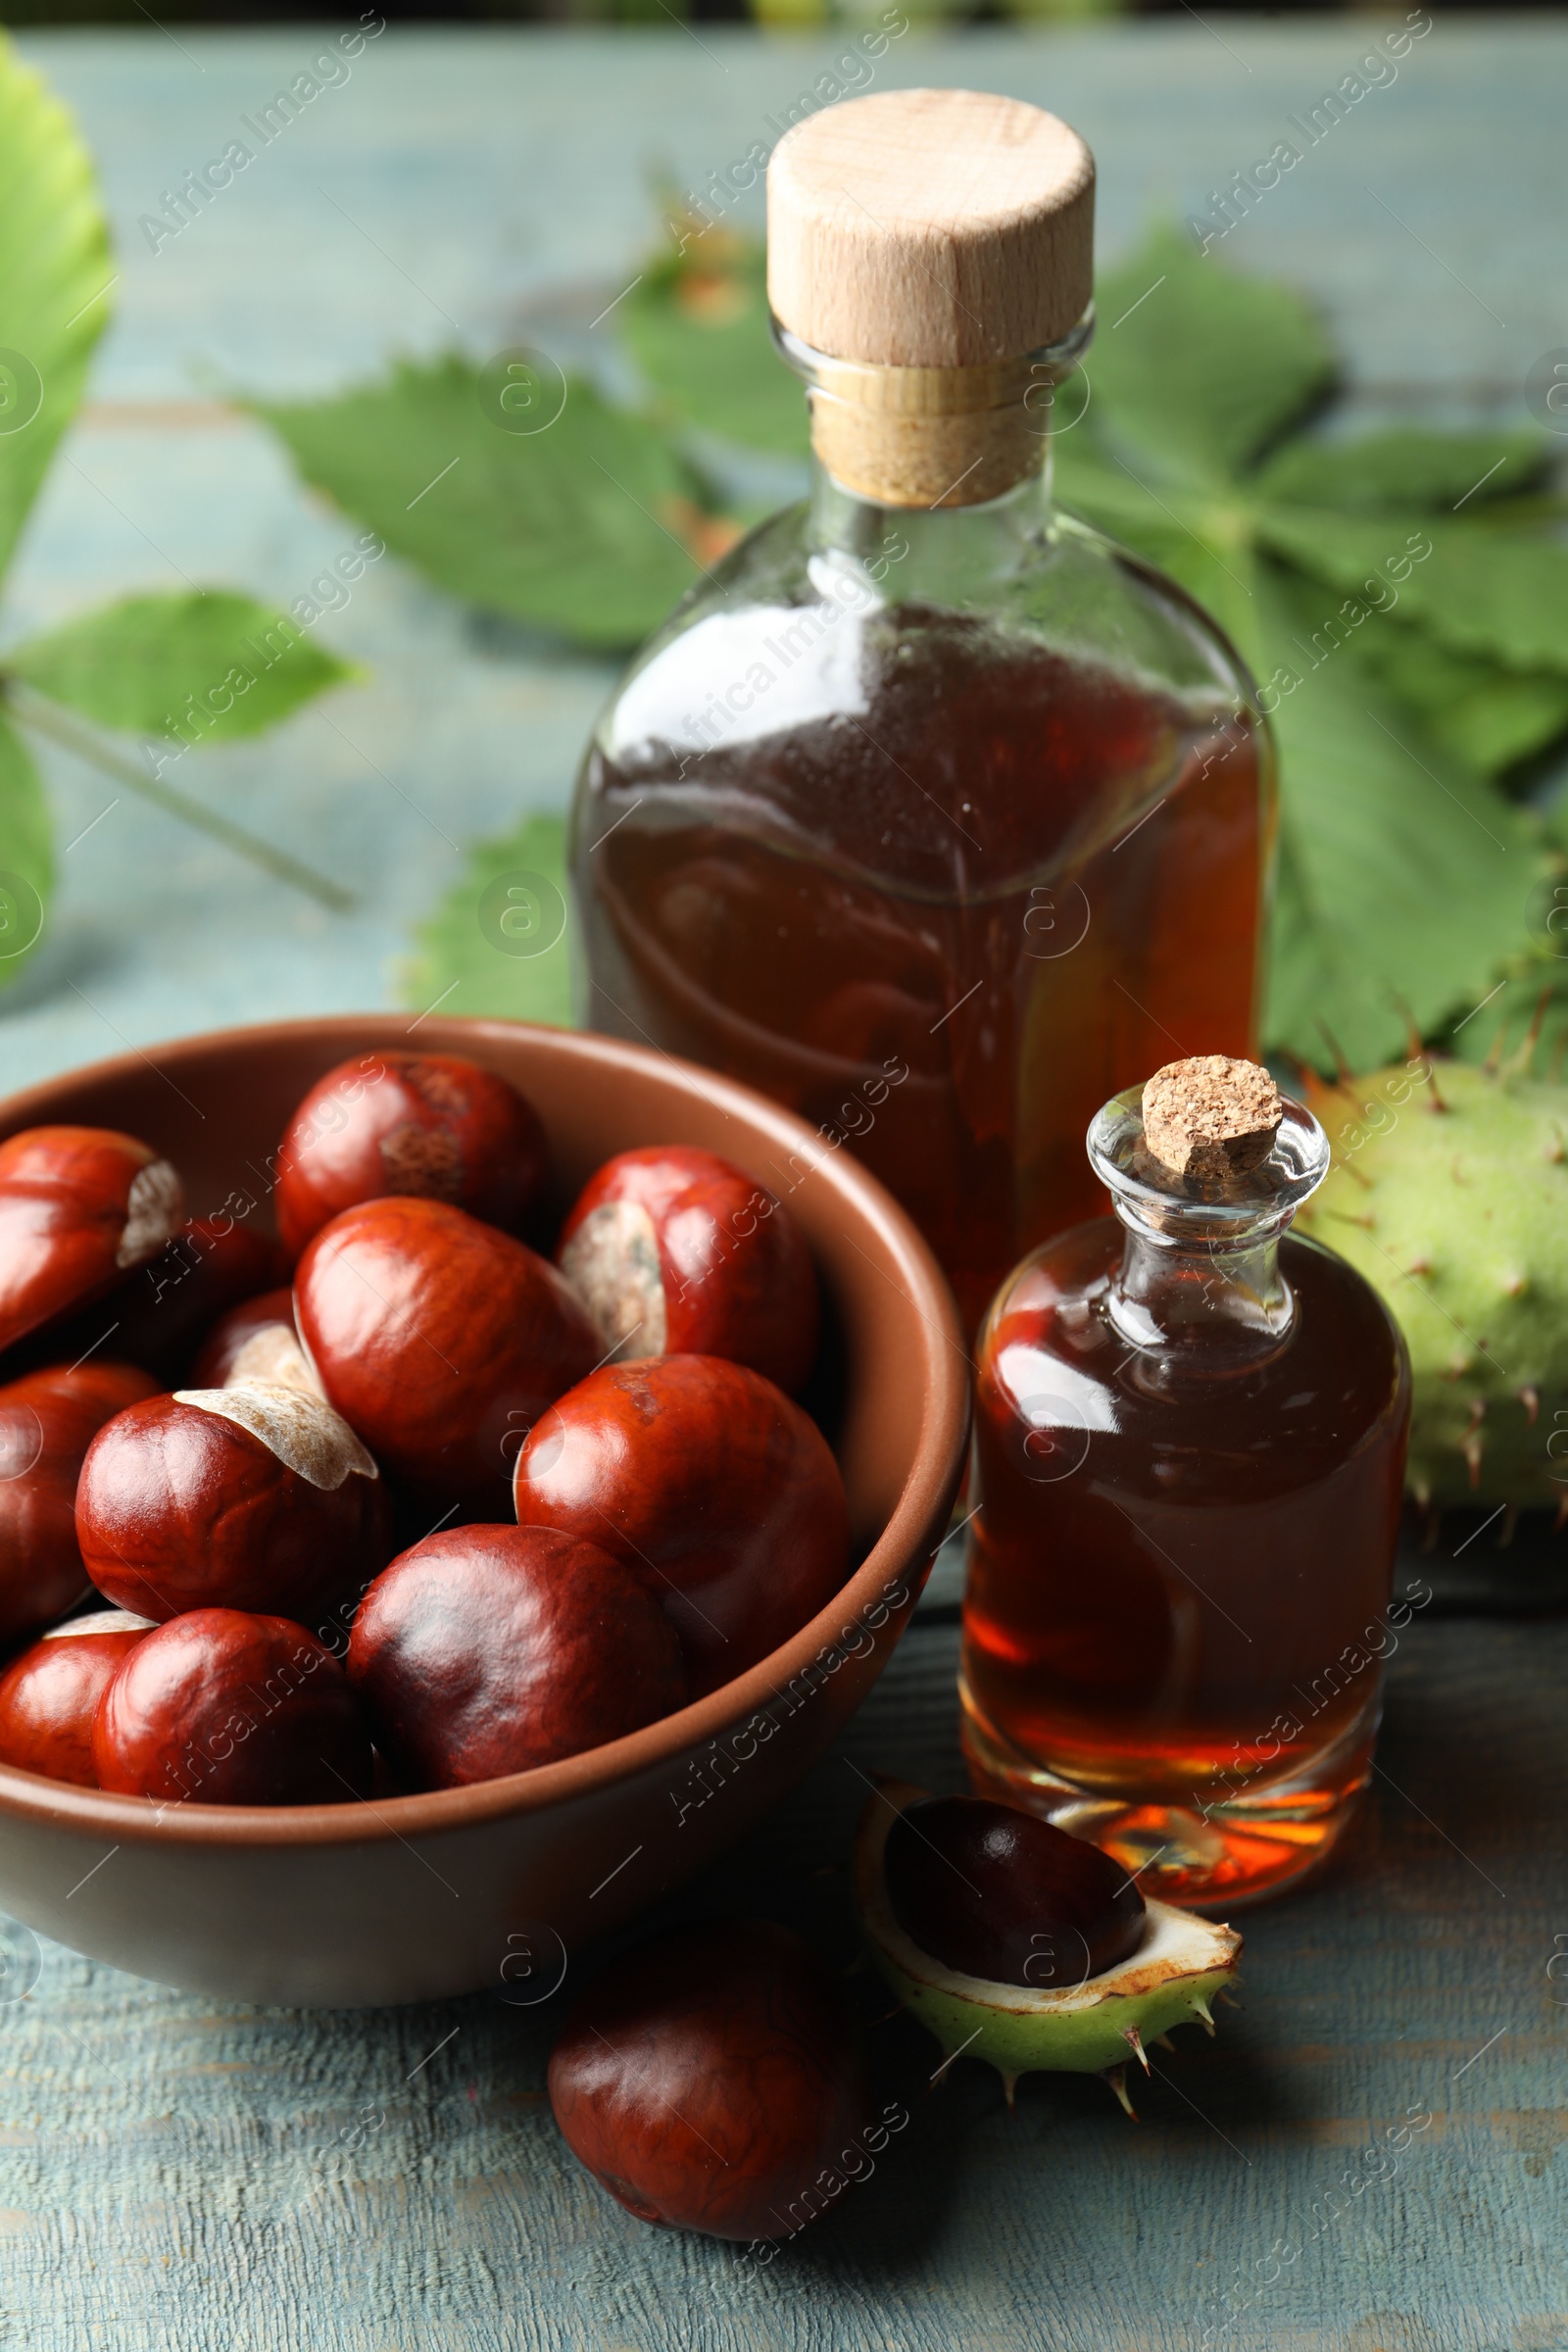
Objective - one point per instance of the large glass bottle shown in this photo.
(1189, 1459)
(931, 812)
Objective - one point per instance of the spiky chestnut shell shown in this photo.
(1449, 1192)
(1092, 2028)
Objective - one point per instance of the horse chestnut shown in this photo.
(676, 1252)
(995, 1892)
(157, 1315)
(246, 1498)
(47, 1422)
(484, 1651)
(698, 1476)
(224, 1350)
(1022, 1947)
(49, 1696)
(440, 1339)
(231, 1709)
(79, 1206)
(715, 2080)
(435, 1125)
(211, 1265)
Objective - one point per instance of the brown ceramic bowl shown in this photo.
(410, 1898)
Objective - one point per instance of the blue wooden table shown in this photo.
(1367, 2158)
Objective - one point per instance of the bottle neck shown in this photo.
(1214, 1307)
(942, 556)
(1199, 1286)
(927, 441)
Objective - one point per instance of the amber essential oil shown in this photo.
(1188, 1458)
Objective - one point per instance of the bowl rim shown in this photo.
(917, 1520)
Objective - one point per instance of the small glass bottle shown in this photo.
(1190, 1437)
(930, 813)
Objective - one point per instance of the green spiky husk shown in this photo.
(1458, 1216)
(1090, 2029)
(1083, 2042)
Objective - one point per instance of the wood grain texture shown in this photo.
(176, 2174)
(930, 229)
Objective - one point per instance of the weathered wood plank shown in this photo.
(175, 2172)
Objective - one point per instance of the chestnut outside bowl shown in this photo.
(410, 1898)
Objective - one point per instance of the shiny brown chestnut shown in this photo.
(246, 1498)
(210, 1266)
(48, 1419)
(485, 1651)
(433, 1125)
(440, 1339)
(232, 1335)
(704, 1478)
(158, 1315)
(715, 2080)
(993, 1891)
(79, 1207)
(49, 1696)
(676, 1252)
(220, 1707)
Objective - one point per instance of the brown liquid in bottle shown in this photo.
(984, 886)
(1178, 1583)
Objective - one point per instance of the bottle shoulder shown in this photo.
(785, 633)
(1341, 1376)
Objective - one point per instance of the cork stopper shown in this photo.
(930, 229)
(1210, 1117)
(921, 244)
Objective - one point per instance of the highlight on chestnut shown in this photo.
(437, 1126)
(704, 1478)
(49, 1695)
(714, 2078)
(485, 1651)
(80, 1208)
(231, 1707)
(434, 1335)
(676, 1252)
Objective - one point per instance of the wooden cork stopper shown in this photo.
(927, 241)
(930, 229)
(1210, 1117)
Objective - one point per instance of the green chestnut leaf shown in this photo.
(589, 524)
(1403, 873)
(54, 278)
(204, 665)
(500, 941)
(27, 855)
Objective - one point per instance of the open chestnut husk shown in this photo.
(676, 1252)
(440, 1339)
(714, 2079)
(49, 1697)
(224, 1707)
(433, 1125)
(706, 1481)
(485, 1651)
(48, 1419)
(245, 1497)
(1078, 2020)
(79, 1209)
